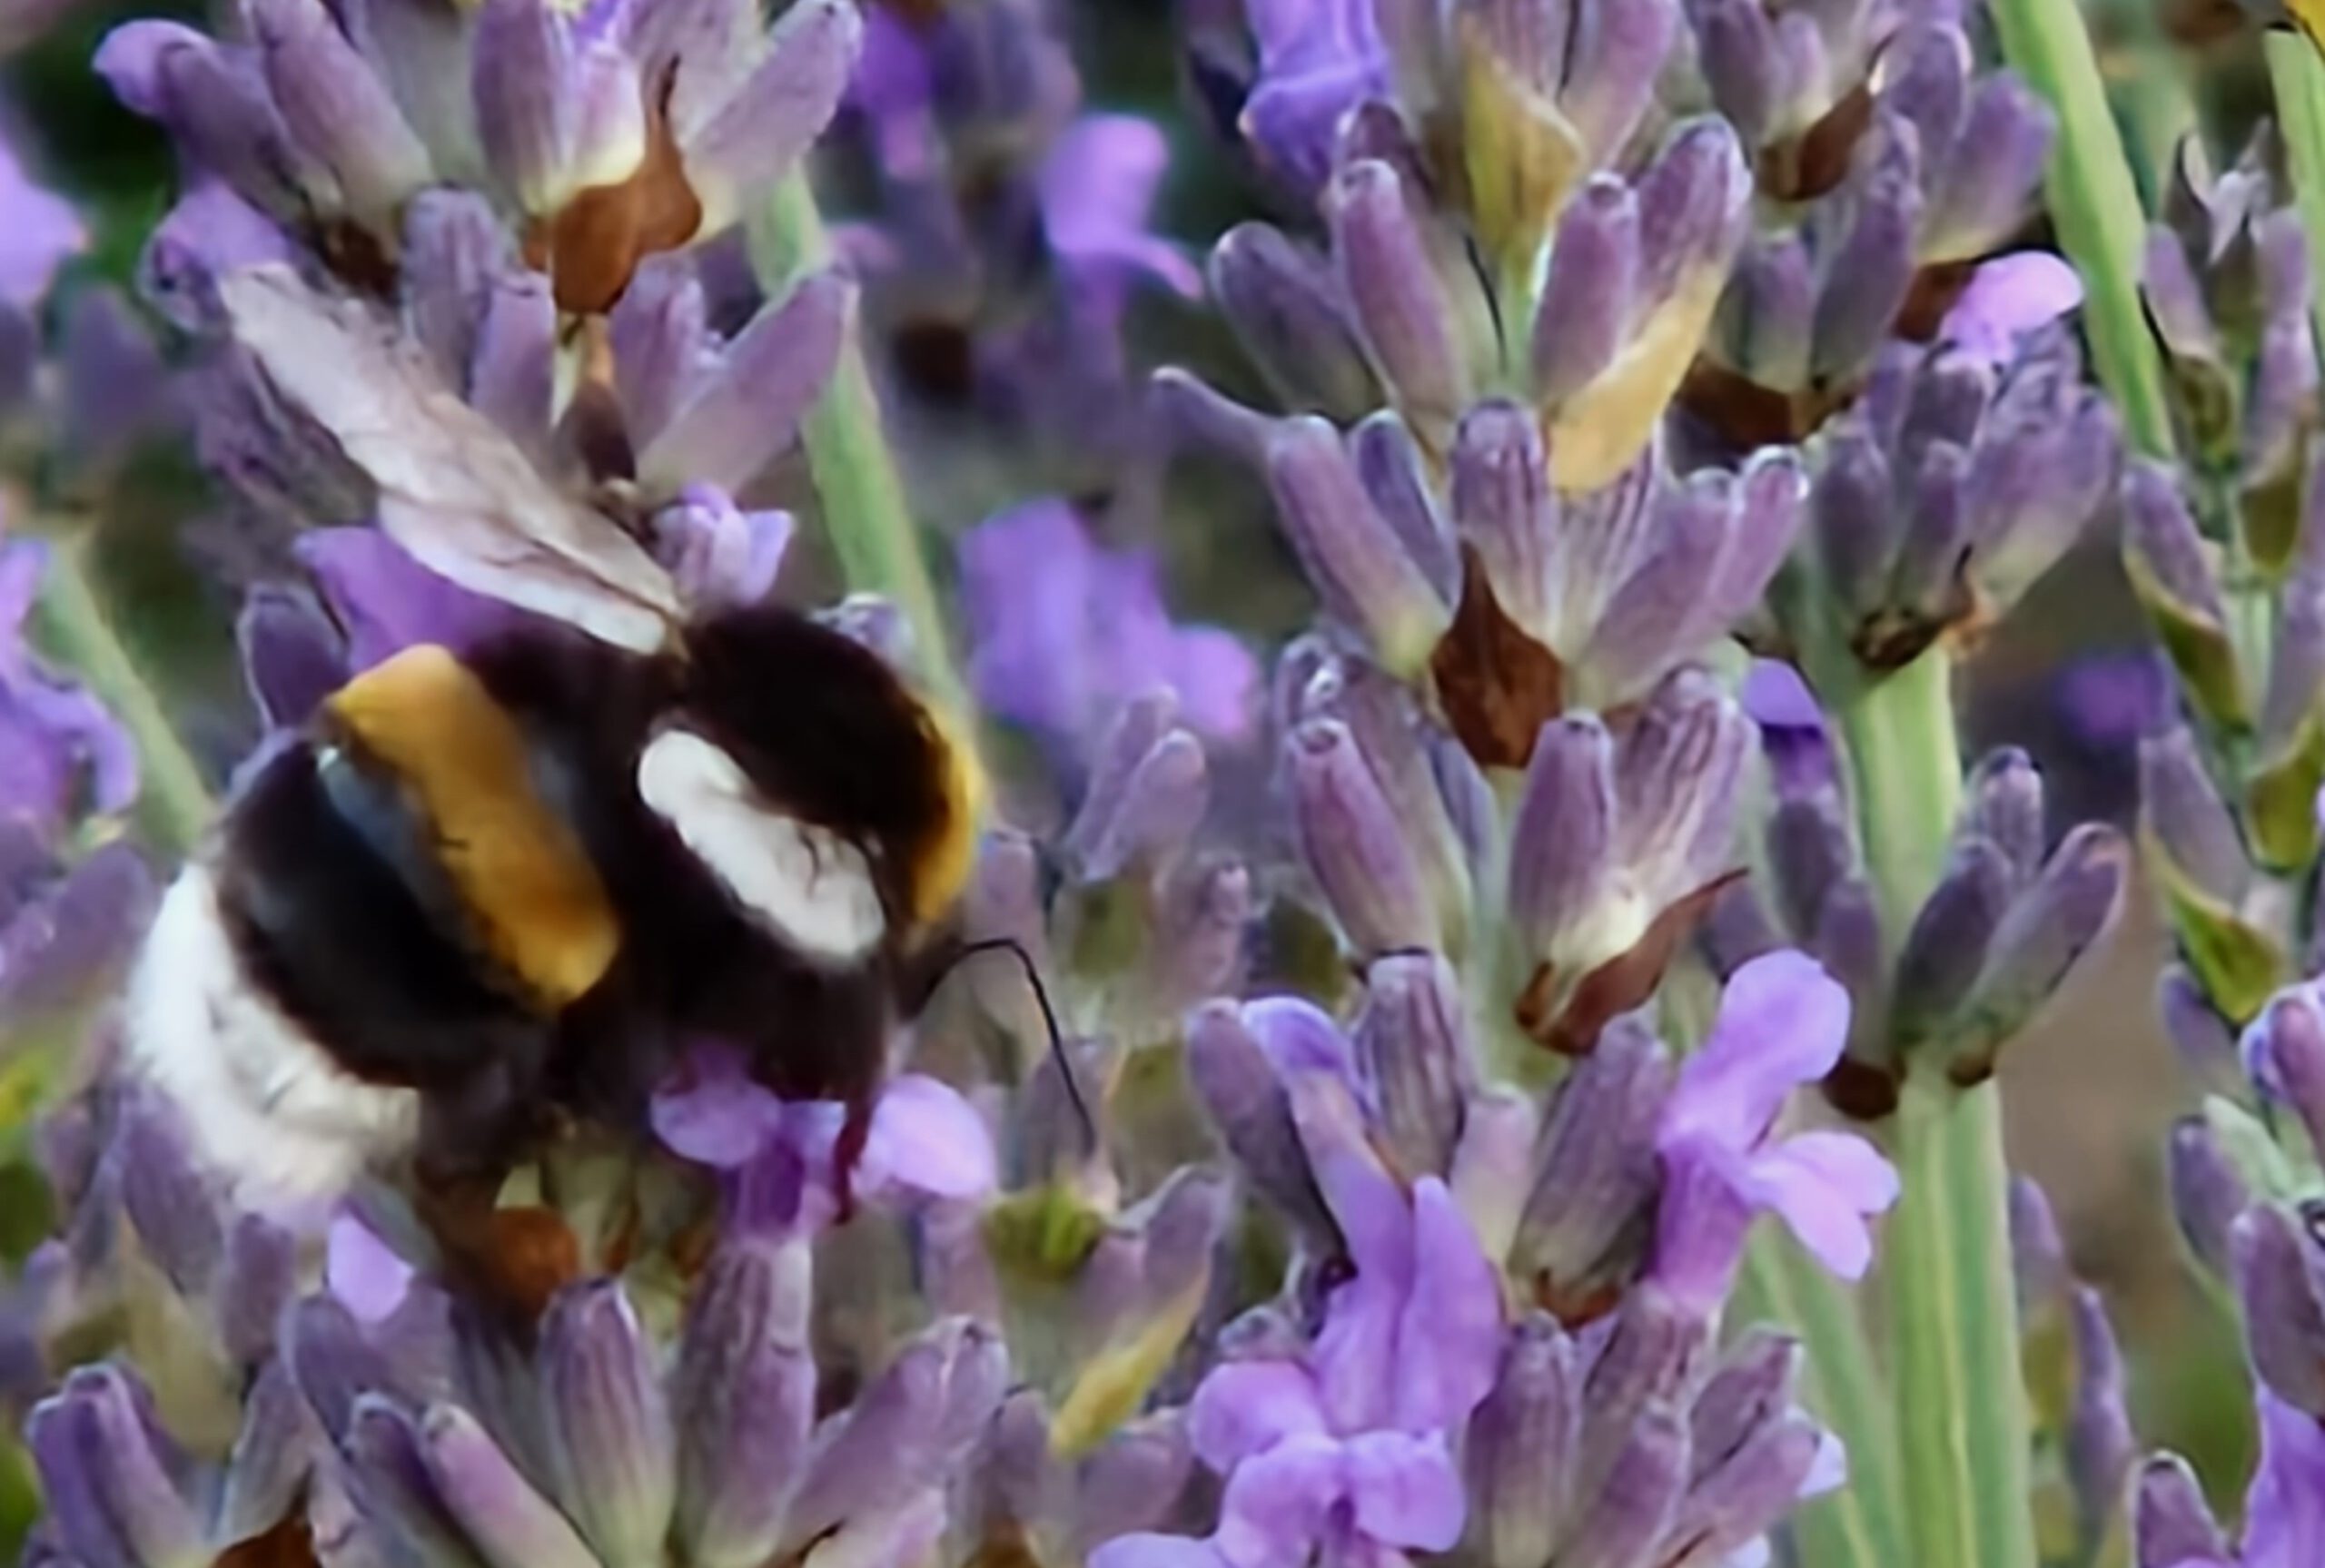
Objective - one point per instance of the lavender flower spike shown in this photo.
(1782, 1023)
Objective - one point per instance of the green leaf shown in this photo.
(2252, 1149)
(2238, 965)
(2281, 799)
(2199, 646)
(2095, 208)
(2299, 76)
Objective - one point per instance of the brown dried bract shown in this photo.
(1574, 1307)
(1746, 415)
(593, 244)
(1862, 1090)
(1616, 987)
(1814, 161)
(1495, 686)
(289, 1544)
(1933, 292)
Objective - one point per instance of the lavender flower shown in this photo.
(1065, 632)
(1346, 1446)
(1782, 1024)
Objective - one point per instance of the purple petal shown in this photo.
(1824, 1185)
(1406, 1490)
(2008, 298)
(1150, 1551)
(2285, 1514)
(388, 602)
(38, 229)
(363, 1271)
(1246, 1407)
(928, 1140)
(1449, 1345)
(1278, 1504)
(714, 1113)
(1782, 1022)
(1097, 186)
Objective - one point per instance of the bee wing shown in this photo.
(454, 490)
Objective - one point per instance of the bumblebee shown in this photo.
(479, 889)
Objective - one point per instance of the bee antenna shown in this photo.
(1015, 949)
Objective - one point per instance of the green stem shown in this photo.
(1858, 1526)
(865, 510)
(1963, 1426)
(174, 804)
(2095, 207)
(2299, 77)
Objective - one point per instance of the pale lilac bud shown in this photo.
(2172, 1524)
(332, 102)
(1288, 310)
(1980, 188)
(1735, 45)
(2160, 533)
(1503, 509)
(1639, 1499)
(2046, 930)
(106, 1468)
(1740, 1494)
(1871, 264)
(2284, 1050)
(1615, 55)
(915, 1421)
(2277, 1267)
(2099, 1445)
(1947, 945)
(746, 1383)
(1587, 1226)
(1562, 843)
(2206, 1047)
(1241, 1089)
(2184, 809)
(2208, 1193)
(1857, 524)
(2037, 1251)
(1767, 325)
(1586, 301)
(1400, 297)
(274, 1454)
(660, 340)
(1413, 1047)
(1395, 473)
(496, 1506)
(1358, 565)
(1353, 845)
(216, 103)
(1520, 1454)
(745, 411)
(559, 103)
(1145, 815)
(612, 1429)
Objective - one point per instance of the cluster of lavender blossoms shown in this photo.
(1661, 399)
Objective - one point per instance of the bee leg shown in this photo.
(848, 1152)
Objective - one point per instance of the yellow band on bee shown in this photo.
(940, 873)
(517, 866)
